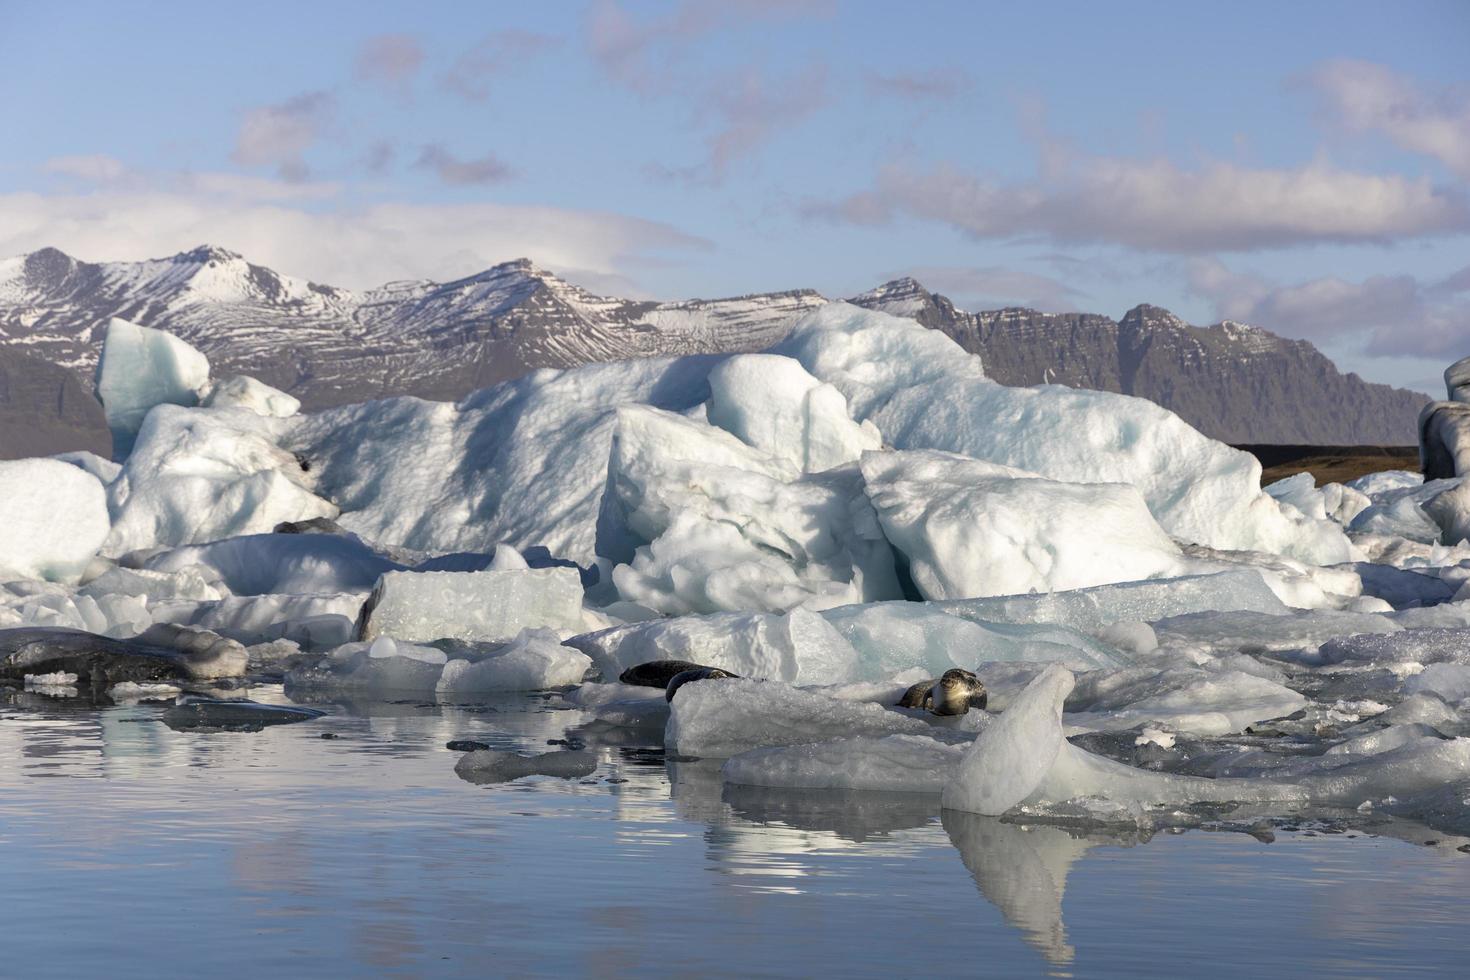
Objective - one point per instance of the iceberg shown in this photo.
(252, 395)
(970, 528)
(140, 368)
(53, 519)
(923, 391)
(197, 475)
(771, 403)
(490, 606)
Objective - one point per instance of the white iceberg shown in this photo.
(491, 606)
(1198, 490)
(53, 519)
(198, 475)
(140, 368)
(971, 528)
(771, 403)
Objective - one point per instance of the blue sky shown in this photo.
(1303, 166)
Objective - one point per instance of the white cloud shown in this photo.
(450, 169)
(279, 135)
(1367, 97)
(354, 247)
(1157, 205)
(392, 60)
(1383, 315)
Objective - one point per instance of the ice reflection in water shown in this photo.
(365, 854)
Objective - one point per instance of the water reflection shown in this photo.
(367, 853)
(1022, 870)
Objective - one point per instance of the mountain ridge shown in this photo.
(329, 345)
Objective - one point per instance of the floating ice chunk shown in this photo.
(1250, 632)
(971, 528)
(1298, 584)
(490, 606)
(1385, 481)
(1385, 740)
(1199, 490)
(719, 719)
(1014, 753)
(188, 583)
(1184, 699)
(1092, 609)
(894, 636)
(252, 395)
(1300, 491)
(771, 403)
(105, 470)
(1412, 646)
(1419, 709)
(53, 519)
(799, 647)
(507, 559)
(1400, 515)
(1450, 510)
(131, 691)
(891, 763)
(1332, 501)
(532, 661)
(316, 622)
(105, 615)
(381, 667)
(264, 564)
(1450, 681)
(202, 475)
(140, 368)
(57, 679)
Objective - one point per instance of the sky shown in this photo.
(1302, 167)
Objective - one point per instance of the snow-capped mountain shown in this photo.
(1237, 383)
(330, 346)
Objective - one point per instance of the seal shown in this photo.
(696, 674)
(163, 652)
(656, 673)
(955, 693)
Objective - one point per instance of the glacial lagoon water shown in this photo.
(128, 849)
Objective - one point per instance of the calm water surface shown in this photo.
(128, 849)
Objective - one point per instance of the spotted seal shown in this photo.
(695, 674)
(955, 693)
(656, 673)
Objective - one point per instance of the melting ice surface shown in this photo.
(131, 849)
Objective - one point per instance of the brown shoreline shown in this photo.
(1330, 464)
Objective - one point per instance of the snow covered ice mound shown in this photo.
(971, 528)
(53, 519)
(925, 392)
